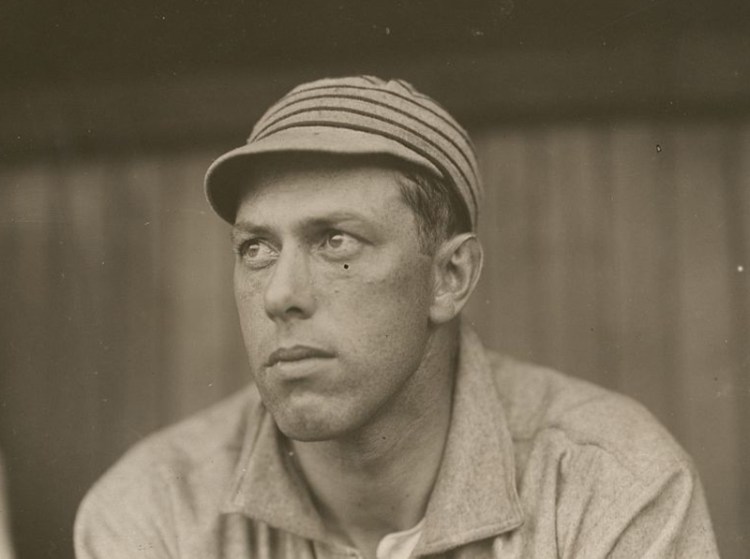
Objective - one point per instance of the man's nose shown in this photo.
(289, 292)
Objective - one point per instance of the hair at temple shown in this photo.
(438, 209)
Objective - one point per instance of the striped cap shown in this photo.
(356, 115)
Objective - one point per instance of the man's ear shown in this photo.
(456, 268)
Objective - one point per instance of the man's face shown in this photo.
(333, 293)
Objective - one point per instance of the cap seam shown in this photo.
(445, 118)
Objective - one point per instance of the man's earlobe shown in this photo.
(457, 265)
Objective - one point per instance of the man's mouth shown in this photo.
(296, 353)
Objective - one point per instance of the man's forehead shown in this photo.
(321, 176)
(285, 163)
(323, 194)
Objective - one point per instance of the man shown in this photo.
(378, 426)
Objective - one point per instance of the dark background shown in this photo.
(614, 139)
(45, 41)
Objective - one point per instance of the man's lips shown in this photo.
(296, 353)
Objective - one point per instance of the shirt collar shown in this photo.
(266, 486)
(474, 495)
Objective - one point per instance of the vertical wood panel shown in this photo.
(572, 164)
(603, 208)
(86, 231)
(30, 346)
(737, 207)
(498, 307)
(200, 325)
(643, 260)
(547, 229)
(707, 403)
(129, 315)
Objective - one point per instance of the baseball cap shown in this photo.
(355, 115)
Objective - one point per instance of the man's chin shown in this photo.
(304, 428)
(307, 433)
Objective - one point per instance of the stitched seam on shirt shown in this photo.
(162, 474)
(619, 457)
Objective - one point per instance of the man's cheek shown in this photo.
(255, 326)
(376, 307)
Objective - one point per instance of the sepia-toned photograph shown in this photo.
(375, 280)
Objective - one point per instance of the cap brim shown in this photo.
(221, 182)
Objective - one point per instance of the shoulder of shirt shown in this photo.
(208, 440)
(538, 401)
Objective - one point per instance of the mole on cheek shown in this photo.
(346, 266)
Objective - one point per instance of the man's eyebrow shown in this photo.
(324, 219)
(243, 228)
(335, 217)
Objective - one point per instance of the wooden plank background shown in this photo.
(617, 251)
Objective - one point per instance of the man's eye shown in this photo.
(257, 253)
(338, 242)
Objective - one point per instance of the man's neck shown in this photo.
(379, 479)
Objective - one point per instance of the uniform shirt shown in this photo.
(536, 465)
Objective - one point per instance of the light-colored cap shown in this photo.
(356, 115)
